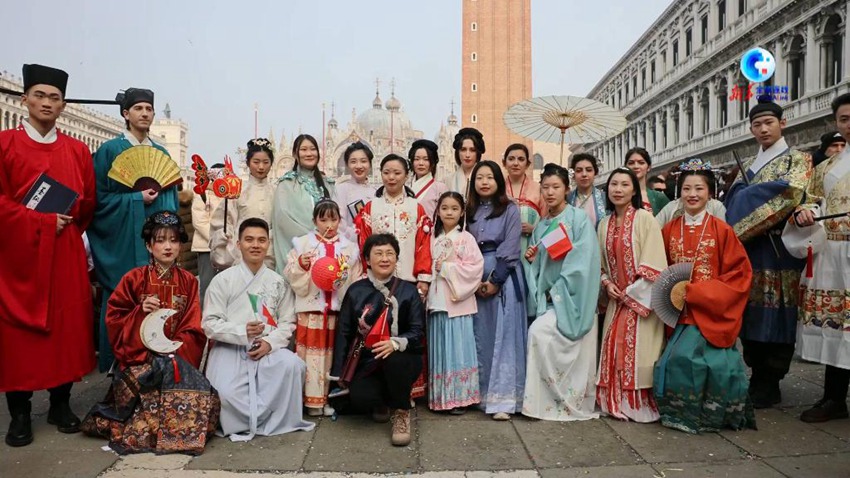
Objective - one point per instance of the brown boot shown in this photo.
(401, 427)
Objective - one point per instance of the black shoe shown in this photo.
(766, 397)
(61, 415)
(20, 430)
(824, 411)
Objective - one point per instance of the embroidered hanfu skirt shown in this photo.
(160, 407)
(314, 344)
(699, 387)
(560, 383)
(452, 362)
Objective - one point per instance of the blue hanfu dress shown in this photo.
(560, 379)
(452, 357)
(115, 233)
(500, 324)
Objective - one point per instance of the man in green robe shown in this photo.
(116, 231)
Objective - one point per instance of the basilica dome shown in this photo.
(375, 123)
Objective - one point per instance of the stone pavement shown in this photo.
(471, 445)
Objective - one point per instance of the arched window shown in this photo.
(474, 56)
(831, 52)
(474, 26)
(722, 104)
(796, 65)
(475, 87)
(474, 118)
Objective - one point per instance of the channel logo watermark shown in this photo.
(758, 66)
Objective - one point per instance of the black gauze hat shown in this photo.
(131, 96)
(765, 106)
(45, 75)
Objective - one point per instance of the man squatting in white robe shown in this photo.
(261, 390)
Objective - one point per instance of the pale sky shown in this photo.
(213, 60)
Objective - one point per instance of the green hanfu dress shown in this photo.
(700, 382)
(292, 210)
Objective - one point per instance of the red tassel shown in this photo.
(176, 369)
(809, 261)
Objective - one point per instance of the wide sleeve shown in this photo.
(292, 213)
(463, 275)
(717, 305)
(284, 311)
(87, 201)
(602, 235)
(422, 262)
(124, 316)
(507, 252)
(222, 244)
(575, 292)
(667, 213)
(28, 245)
(797, 239)
(298, 278)
(200, 220)
(190, 331)
(651, 260)
(118, 219)
(214, 321)
(754, 209)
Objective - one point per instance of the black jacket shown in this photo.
(411, 319)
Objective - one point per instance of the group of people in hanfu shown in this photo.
(488, 291)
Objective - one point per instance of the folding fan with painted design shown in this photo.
(145, 167)
(668, 292)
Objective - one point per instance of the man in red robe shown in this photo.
(46, 324)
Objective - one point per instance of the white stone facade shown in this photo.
(674, 84)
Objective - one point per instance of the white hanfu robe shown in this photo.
(823, 332)
(262, 397)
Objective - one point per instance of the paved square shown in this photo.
(468, 446)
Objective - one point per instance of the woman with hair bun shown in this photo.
(423, 160)
(469, 147)
(254, 201)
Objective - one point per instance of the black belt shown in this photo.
(487, 246)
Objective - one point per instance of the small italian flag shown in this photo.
(557, 242)
(260, 309)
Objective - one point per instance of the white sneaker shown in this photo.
(328, 411)
(501, 416)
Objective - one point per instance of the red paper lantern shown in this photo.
(325, 272)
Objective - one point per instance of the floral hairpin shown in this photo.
(695, 164)
(165, 218)
(261, 143)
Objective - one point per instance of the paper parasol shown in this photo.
(668, 292)
(560, 119)
(153, 336)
